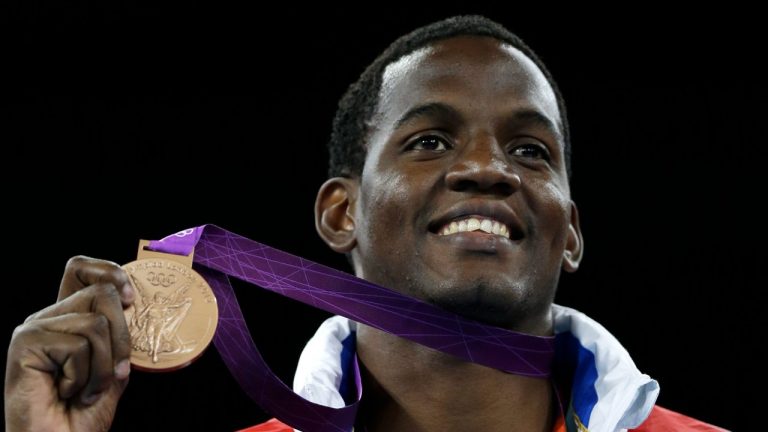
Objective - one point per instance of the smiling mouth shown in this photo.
(472, 223)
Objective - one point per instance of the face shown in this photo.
(464, 199)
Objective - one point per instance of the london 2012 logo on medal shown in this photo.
(174, 315)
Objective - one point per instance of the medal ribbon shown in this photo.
(218, 253)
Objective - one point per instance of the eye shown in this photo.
(531, 151)
(431, 143)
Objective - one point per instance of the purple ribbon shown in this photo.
(219, 253)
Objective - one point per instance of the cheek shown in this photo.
(552, 205)
(382, 212)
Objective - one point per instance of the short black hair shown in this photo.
(347, 149)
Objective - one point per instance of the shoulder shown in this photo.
(664, 420)
(273, 425)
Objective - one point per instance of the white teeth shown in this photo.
(462, 226)
(489, 226)
(496, 227)
(486, 226)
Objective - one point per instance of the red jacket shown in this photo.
(660, 420)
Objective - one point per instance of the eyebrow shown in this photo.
(428, 110)
(533, 117)
(442, 110)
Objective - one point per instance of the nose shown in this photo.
(483, 167)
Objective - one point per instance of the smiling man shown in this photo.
(449, 183)
(463, 202)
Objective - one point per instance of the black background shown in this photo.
(128, 122)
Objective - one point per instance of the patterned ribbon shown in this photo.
(219, 253)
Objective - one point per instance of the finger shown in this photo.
(61, 357)
(82, 271)
(49, 373)
(93, 329)
(74, 349)
(75, 371)
(100, 299)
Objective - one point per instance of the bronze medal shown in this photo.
(174, 315)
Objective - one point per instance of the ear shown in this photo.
(334, 213)
(574, 247)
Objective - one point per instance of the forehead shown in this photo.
(473, 74)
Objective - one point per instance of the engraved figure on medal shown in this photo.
(175, 314)
(154, 324)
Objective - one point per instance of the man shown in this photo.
(449, 183)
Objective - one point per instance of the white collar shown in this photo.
(609, 393)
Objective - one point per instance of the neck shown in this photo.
(412, 387)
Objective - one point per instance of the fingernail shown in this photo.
(123, 369)
(90, 399)
(128, 292)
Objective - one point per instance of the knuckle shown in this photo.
(107, 290)
(22, 343)
(100, 324)
(115, 274)
(111, 266)
(27, 331)
(77, 261)
(30, 318)
(101, 289)
(81, 345)
(21, 332)
(42, 313)
(83, 265)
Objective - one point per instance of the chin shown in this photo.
(512, 306)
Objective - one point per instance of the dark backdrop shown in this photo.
(127, 122)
